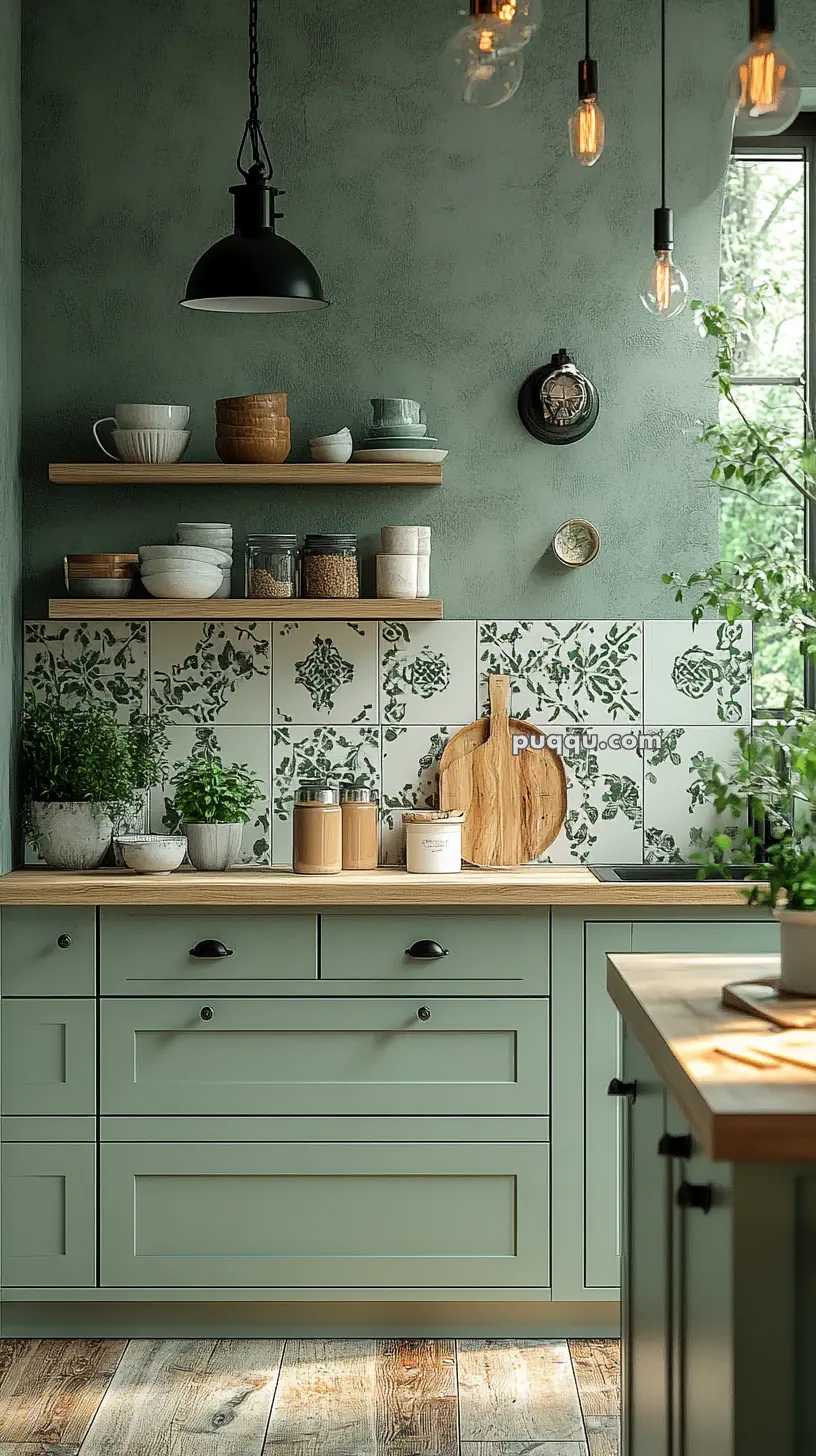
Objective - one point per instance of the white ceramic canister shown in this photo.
(798, 937)
(423, 540)
(423, 576)
(400, 540)
(433, 841)
(397, 576)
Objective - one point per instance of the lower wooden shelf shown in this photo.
(216, 609)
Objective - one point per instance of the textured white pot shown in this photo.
(798, 929)
(213, 846)
(72, 836)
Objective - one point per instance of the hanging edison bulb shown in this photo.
(764, 82)
(664, 287)
(587, 128)
(484, 75)
(511, 24)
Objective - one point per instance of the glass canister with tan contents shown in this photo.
(272, 566)
(317, 830)
(360, 837)
(330, 567)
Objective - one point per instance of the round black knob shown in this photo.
(206, 1013)
(64, 942)
(426, 950)
(696, 1195)
(424, 1013)
(675, 1145)
(210, 950)
(617, 1088)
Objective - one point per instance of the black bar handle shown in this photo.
(210, 950)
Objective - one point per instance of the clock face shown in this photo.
(564, 398)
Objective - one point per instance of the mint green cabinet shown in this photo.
(48, 950)
(48, 1057)
(48, 1220)
(150, 952)
(402, 1216)
(301, 1056)
(483, 954)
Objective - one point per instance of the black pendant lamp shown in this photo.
(254, 270)
(664, 287)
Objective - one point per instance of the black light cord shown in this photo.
(586, 27)
(253, 131)
(662, 103)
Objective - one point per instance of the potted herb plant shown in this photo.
(83, 773)
(791, 872)
(213, 801)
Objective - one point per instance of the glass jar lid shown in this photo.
(316, 791)
(327, 544)
(273, 542)
(357, 794)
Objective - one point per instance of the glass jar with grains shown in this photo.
(330, 567)
(272, 566)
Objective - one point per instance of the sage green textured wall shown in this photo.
(459, 250)
(10, 526)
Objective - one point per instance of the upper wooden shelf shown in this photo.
(103, 473)
(217, 609)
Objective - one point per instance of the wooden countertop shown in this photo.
(737, 1113)
(547, 885)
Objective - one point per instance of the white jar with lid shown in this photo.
(433, 841)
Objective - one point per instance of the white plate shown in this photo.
(401, 457)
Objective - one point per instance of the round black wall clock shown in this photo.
(557, 404)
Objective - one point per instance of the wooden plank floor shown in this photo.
(309, 1397)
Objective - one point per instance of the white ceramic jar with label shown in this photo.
(433, 841)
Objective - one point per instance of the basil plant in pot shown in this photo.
(213, 802)
(83, 774)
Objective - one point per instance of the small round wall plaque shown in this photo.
(557, 404)
(576, 543)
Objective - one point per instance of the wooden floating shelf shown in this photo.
(217, 609)
(215, 474)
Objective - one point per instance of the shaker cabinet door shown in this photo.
(48, 950)
(48, 1235)
(48, 1057)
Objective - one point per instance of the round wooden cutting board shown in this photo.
(515, 803)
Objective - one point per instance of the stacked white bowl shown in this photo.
(214, 536)
(189, 572)
(147, 434)
(404, 564)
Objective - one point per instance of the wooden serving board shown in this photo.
(515, 803)
(764, 999)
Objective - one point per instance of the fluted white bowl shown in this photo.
(151, 447)
(184, 583)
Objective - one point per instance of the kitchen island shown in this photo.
(364, 1102)
(719, 1219)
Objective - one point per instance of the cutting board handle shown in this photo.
(499, 688)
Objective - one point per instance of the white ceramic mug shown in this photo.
(143, 417)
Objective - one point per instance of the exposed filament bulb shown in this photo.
(762, 74)
(664, 289)
(486, 42)
(587, 130)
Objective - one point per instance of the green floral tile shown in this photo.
(211, 672)
(103, 662)
(604, 823)
(697, 677)
(248, 744)
(410, 778)
(427, 672)
(566, 672)
(348, 754)
(325, 672)
(678, 817)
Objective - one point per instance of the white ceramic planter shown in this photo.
(798, 928)
(213, 846)
(72, 836)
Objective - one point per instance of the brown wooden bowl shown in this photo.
(275, 402)
(259, 418)
(120, 557)
(253, 432)
(267, 450)
(75, 572)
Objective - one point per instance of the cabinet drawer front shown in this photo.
(712, 937)
(49, 1057)
(35, 963)
(298, 1056)
(509, 950)
(319, 1215)
(147, 953)
(49, 1214)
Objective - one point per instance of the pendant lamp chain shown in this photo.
(253, 135)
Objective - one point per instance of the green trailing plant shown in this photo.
(790, 874)
(83, 754)
(208, 791)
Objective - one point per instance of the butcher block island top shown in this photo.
(736, 1112)
(530, 886)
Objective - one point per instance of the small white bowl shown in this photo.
(152, 416)
(337, 454)
(188, 583)
(151, 447)
(196, 555)
(344, 434)
(153, 854)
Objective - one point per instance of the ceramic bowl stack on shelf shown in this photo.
(252, 429)
(399, 436)
(404, 564)
(107, 574)
(215, 536)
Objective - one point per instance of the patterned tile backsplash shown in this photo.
(639, 705)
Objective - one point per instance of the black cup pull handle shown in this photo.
(426, 950)
(617, 1088)
(210, 950)
(424, 1013)
(64, 942)
(696, 1195)
(676, 1145)
(206, 1013)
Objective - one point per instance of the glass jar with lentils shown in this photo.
(272, 566)
(330, 567)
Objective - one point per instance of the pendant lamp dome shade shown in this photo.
(254, 270)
